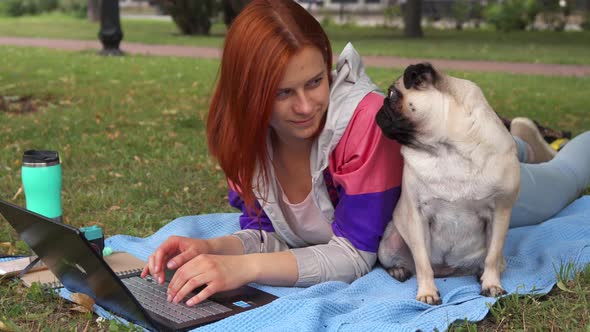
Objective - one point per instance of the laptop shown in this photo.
(67, 253)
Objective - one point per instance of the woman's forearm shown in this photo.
(275, 269)
(225, 245)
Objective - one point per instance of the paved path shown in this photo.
(369, 60)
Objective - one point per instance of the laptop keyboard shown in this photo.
(152, 297)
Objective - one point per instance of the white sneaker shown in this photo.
(526, 129)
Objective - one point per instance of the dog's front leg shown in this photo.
(417, 237)
(494, 262)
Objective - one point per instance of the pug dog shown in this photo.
(460, 180)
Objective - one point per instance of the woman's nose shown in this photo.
(303, 103)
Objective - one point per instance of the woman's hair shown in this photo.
(258, 46)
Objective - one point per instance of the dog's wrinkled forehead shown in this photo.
(420, 76)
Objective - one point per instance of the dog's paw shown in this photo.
(493, 291)
(400, 273)
(432, 298)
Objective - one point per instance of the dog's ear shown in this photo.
(416, 75)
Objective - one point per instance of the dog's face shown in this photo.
(417, 103)
(411, 101)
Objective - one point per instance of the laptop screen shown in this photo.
(71, 258)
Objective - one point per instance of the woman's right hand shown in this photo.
(173, 253)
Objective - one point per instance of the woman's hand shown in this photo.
(217, 272)
(174, 252)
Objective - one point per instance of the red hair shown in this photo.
(258, 46)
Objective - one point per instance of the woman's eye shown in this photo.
(314, 83)
(283, 93)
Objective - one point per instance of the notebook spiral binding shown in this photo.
(120, 274)
(121, 263)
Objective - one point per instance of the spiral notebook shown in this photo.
(121, 263)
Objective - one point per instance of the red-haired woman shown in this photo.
(315, 179)
(305, 160)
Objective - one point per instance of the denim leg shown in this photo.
(547, 188)
(521, 149)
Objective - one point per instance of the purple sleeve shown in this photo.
(249, 221)
(362, 218)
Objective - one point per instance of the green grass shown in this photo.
(524, 46)
(130, 131)
(565, 308)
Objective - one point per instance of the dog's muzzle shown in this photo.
(392, 121)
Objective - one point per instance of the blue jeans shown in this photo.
(545, 189)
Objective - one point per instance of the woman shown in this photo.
(307, 165)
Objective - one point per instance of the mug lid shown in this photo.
(40, 157)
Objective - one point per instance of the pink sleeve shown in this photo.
(364, 161)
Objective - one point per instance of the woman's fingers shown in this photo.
(202, 295)
(181, 259)
(145, 271)
(210, 270)
(191, 284)
(158, 258)
(166, 249)
(181, 277)
(155, 263)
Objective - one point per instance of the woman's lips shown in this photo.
(305, 122)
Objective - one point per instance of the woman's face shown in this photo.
(302, 97)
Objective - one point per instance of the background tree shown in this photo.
(412, 13)
(231, 9)
(192, 17)
(460, 10)
(476, 13)
(93, 10)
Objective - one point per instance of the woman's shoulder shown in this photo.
(362, 135)
(363, 118)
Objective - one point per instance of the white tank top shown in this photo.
(306, 219)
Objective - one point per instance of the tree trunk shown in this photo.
(231, 9)
(93, 11)
(412, 13)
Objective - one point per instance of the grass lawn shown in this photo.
(130, 131)
(536, 47)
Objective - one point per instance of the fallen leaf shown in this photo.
(83, 300)
(563, 287)
(169, 112)
(113, 136)
(79, 308)
(10, 248)
(115, 174)
(18, 192)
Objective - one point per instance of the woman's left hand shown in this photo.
(217, 272)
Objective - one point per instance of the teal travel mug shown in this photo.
(41, 175)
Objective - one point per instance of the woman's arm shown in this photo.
(218, 263)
